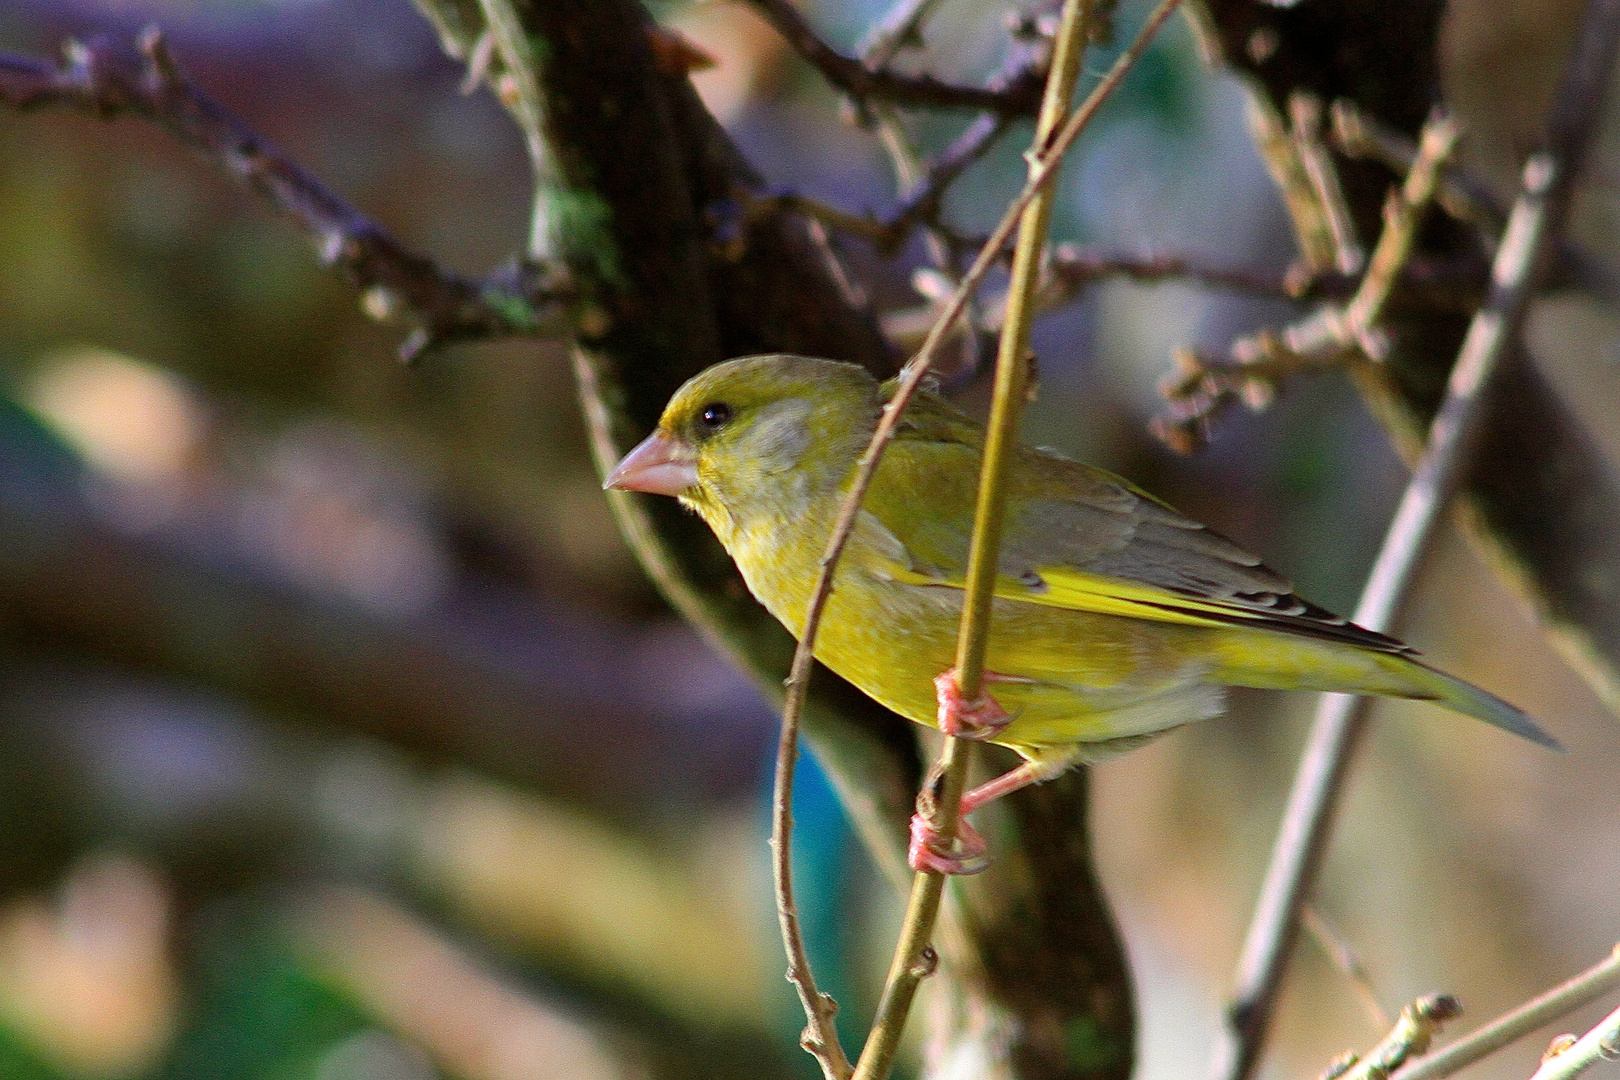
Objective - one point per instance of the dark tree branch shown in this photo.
(107, 80)
(1020, 96)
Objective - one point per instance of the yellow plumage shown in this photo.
(1115, 617)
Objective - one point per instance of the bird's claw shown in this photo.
(980, 719)
(967, 854)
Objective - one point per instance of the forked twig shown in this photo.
(1020, 97)
(911, 377)
(1301, 843)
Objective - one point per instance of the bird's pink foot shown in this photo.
(980, 719)
(967, 855)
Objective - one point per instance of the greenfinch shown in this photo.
(1114, 617)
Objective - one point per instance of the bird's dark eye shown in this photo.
(715, 415)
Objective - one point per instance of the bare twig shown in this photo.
(1072, 269)
(1459, 194)
(922, 198)
(105, 80)
(1345, 959)
(1280, 151)
(1020, 97)
(1409, 1037)
(1305, 114)
(900, 29)
(1301, 842)
(1561, 1000)
(1568, 1060)
(923, 194)
(922, 186)
(798, 680)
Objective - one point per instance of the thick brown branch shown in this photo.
(1019, 97)
(107, 80)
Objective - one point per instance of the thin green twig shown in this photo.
(912, 957)
(818, 1008)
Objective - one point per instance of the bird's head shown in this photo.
(755, 435)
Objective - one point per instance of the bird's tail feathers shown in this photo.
(1467, 698)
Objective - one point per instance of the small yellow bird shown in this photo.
(1115, 618)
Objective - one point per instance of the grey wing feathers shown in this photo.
(1131, 536)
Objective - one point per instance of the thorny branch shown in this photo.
(1019, 97)
(107, 80)
(1521, 259)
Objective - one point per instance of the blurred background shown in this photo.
(342, 739)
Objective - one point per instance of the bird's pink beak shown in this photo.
(659, 465)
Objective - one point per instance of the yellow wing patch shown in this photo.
(1076, 590)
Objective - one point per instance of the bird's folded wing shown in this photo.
(1083, 539)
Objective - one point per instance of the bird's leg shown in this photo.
(928, 851)
(980, 719)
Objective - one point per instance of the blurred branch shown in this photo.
(1466, 198)
(1457, 431)
(899, 29)
(1071, 269)
(106, 80)
(1345, 959)
(923, 185)
(1535, 455)
(1410, 1037)
(472, 1020)
(1019, 97)
(421, 685)
(1561, 1000)
(1203, 387)
(1567, 1061)
(1305, 115)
